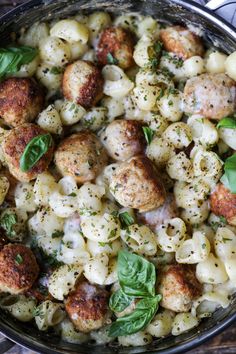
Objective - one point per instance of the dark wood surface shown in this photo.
(224, 343)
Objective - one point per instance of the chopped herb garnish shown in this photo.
(57, 234)
(18, 259)
(7, 222)
(111, 60)
(149, 134)
(126, 219)
(55, 70)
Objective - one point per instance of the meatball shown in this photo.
(223, 203)
(81, 156)
(14, 145)
(156, 217)
(181, 41)
(87, 307)
(124, 139)
(135, 184)
(82, 83)
(179, 287)
(10, 197)
(210, 95)
(21, 100)
(116, 46)
(19, 268)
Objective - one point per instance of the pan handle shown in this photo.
(216, 4)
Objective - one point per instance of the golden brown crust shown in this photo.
(87, 307)
(135, 184)
(124, 139)
(10, 197)
(19, 268)
(210, 95)
(21, 100)
(223, 203)
(14, 145)
(81, 156)
(82, 83)
(181, 41)
(178, 286)
(117, 42)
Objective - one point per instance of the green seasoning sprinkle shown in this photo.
(18, 259)
(111, 60)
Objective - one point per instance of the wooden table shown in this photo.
(224, 343)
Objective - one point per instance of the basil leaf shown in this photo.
(7, 222)
(126, 219)
(227, 122)
(111, 60)
(18, 259)
(229, 178)
(136, 275)
(12, 58)
(137, 320)
(149, 134)
(119, 301)
(34, 150)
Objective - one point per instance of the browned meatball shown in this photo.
(156, 217)
(83, 83)
(210, 95)
(135, 184)
(181, 41)
(223, 203)
(116, 46)
(178, 286)
(21, 100)
(10, 197)
(19, 268)
(87, 307)
(14, 145)
(81, 156)
(124, 139)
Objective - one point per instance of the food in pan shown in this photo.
(118, 178)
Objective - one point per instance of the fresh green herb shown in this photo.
(178, 62)
(229, 177)
(136, 320)
(227, 122)
(119, 301)
(72, 194)
(111, 60)
(155, 55)
(161, 94)
(7, 222)
(12, 58)
(225, 239)
(137, 276)
(149, 134)
(55, 70)
(37, 311)
(112, 233)
(57, 234)
(103, 244)
(34, 150)
(223, 219)
(126, 219)
(18, 259)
